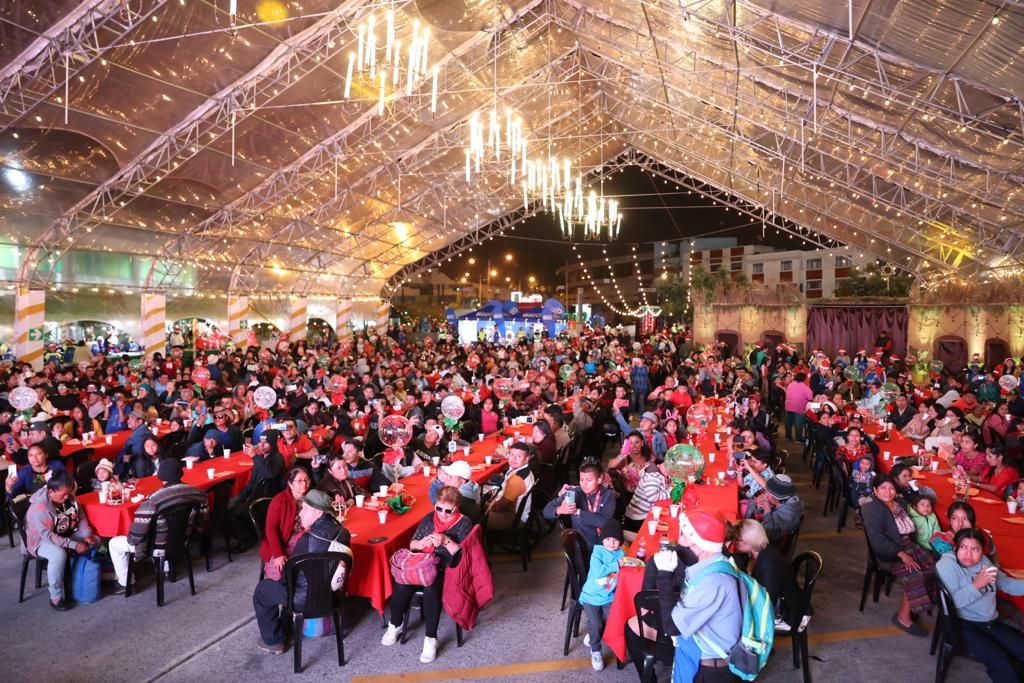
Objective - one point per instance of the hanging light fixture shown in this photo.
(379, 67)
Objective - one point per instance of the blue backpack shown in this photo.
(750, 654)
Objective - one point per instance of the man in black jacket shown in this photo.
(267, 480)
(321, 528)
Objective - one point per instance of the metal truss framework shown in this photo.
(886, 185)
(43, 69)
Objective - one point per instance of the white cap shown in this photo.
(459, 468)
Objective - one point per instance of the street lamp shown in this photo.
(508, 258)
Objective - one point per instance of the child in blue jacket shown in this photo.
(599, 589)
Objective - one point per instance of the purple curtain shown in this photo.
(856, 327)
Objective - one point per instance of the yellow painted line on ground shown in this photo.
(520, 669)
(782, 640)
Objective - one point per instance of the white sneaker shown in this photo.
(586, 640)
(391, 635)
(429, 653)
(597, 661)
(781, 626)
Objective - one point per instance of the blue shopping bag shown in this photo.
(85, 577)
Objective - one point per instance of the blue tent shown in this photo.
(512, 316)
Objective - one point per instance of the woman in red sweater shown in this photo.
(283, 527)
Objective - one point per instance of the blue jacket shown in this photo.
(603, 562)
(658, 443)
(639, 379)
(132, 447)
(25, 484)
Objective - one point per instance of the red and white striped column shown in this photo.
(29, 312)
(154, 324)
(297, 319)
(380, 316)
(238, 310)
(343, 325)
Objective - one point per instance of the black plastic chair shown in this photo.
(78, 457)
(7, 520)
(258, 516)
(806, 569)
(16, 518)
(221, 493)
(178, 519)
(876, 572)
(321, 601)
(948, 640)
(417, 602)
(576, 574)
(84, 475)
(582, 556)
(518, 538)
(178, 450)
(647, 602)
(172, 438)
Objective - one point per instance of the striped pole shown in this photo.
(344, 320)
(29, 312)
(297, 319)
(154, 324)
(380, 317)
(238, 309)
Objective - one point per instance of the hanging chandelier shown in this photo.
(487, 144)
(595, 217)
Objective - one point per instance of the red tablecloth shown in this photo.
(114, 520)
(101, 449)
(724, 499)
(371, 574)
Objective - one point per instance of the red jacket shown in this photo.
(468, 586)
(280, 522)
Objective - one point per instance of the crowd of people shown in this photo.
(318, 448)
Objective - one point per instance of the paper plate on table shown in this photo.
(973, 491)
(1014, 520)
(378, 539)
(632, 562)
(986, 500)
(1015, 573)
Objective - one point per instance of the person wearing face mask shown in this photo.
(972, 580)
(588, 505)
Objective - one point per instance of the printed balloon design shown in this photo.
(23, 398)
(264, 397)
(453, 407)
(395, 431)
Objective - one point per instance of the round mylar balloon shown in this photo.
(683, 461)
(698, 417)
(212, 359)
(201, 376)
(853, 373)
(473, 361)
(264, 397)
(452, 407)
(503, 388)
(395, 431)
(936, 366)
(335, 382)
(1008, 382)
(323, 360)
(891, 388)
(23, 398)
(265, 355)
(565, 372)
(136, 364)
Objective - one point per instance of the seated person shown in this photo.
(319, 529)
(358, 466)
(336, 483)
(103, 473)
(54, 525)
(34, 475)
(754, 467)
(972, 580)
(921, 509)
(516, 482)
(588, 505)
(769, 566)
(206, 449)
(652, 487)
(853, 448)
(441, 533)
(778, 508)
(458, 475)
(145, 462)
(996, 477)
(173, 492)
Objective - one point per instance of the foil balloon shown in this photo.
(473, 361)
(698, 417)
(264, 397)
(395, 431)
(853, 373)
(136, 364)
(503, 388)
(1007, 382)
(936, 366)
(683, 461)
(336, 382)
(23, 398)
(201, 376)
(891, 388)
(453, 407)
(265, 355)
(565, 372)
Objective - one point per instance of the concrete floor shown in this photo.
(518, 638)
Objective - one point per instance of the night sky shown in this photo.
(652, 211)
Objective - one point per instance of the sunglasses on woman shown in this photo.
(446, 511)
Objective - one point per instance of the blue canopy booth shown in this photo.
(504, 320)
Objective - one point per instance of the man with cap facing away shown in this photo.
(459, 475)
(320, 528)
(778, 508)
(708, 616)
(648, 429)
(173, 492)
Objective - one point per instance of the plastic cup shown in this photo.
(12, 470)
(711, 458)
(190, 463)
(721, 476)
(916, 449)
(426, 470)
(110, 439)
(489, 459)
(1011, 506)
(673, 510)
(103, 496)
(382, 516)
(656, 512)
(435, 461)
(159, 421)
(360, 500)
(210, 472)
(465, 451)
(652, 527)
(480, 437)
(383, 492)
(886, 455)
(935, 465)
